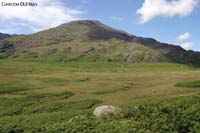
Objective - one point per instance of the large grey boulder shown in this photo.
(105, 110)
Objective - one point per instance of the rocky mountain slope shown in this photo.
(87, 40)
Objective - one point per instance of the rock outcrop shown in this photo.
(105, 110)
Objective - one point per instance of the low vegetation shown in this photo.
(169, 115)
(100, 92)
(63, 95)
(192, 84)
(29, 115)
(172, 115)
(60, 97)
(5, 89)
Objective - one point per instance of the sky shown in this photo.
(170, 21)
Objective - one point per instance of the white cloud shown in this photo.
(48, 13)
(154, 8)
(183, 37)
(187, 45)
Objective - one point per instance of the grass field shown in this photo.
(35, 95)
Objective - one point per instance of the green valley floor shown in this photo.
(60, 97)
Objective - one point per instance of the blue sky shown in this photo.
(171, 21)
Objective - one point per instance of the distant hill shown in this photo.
(87, 40)
(4, 36)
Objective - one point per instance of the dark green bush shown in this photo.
(177, 115)
(192, 84)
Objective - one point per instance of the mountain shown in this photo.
(87, 40)
(4, 36)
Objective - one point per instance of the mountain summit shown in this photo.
(87, 40)
(83, 30)
(92, 30)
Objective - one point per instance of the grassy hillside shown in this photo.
(93, 41)
(73, 31)
(93, 51)
(56, 97)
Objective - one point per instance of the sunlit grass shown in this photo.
(34, 92)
